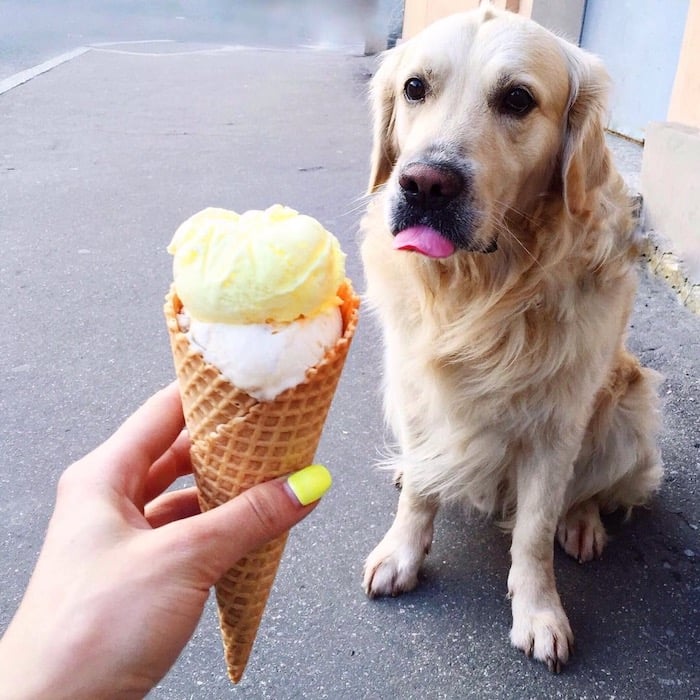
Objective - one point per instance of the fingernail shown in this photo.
(309, 484)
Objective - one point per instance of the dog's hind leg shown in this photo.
(581, 532)
(632, 459)
(619, 465)
(393, 565)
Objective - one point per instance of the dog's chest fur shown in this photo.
(479, 360)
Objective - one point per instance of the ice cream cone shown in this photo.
(237, 442)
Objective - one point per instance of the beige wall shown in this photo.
(685, 98)
(420, 13)
(561, 16)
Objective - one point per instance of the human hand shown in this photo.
(126, 569)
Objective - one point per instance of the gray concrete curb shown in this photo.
(656, 249)
(658, 253)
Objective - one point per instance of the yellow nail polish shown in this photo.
(309, 484)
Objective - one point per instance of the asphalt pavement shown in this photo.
(100, 159)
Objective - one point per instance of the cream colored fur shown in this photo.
(507, 382)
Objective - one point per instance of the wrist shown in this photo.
(41, 664)
(24, 677)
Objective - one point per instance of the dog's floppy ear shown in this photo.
(585, 158)
(384, 147)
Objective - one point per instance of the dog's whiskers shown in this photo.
(501, 227)
(357, 205)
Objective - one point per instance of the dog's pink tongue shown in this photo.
(425, 240)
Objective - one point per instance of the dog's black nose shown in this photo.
(429, 186)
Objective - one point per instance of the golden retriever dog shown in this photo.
(500, 259)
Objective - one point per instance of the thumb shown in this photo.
(228, 532)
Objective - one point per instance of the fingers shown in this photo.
(172, 506)
(172, 464)
(143, 438)
(221, 536)
(233, 529)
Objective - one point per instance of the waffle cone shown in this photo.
(238, 442)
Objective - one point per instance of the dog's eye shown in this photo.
(414, 89)
(517, 102)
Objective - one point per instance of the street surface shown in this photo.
(32, 32)
(100, 159)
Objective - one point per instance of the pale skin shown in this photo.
(126, 568)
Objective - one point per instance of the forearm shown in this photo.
(42, 660)
(28, 668)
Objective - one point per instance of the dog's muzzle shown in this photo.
(434, 194)
(427, 187)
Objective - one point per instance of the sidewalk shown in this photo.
(100, 159)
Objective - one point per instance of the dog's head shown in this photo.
(479, 118)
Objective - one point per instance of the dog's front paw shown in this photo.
(543, 633)
(392, 567)
(581, 532)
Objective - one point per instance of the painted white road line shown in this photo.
(162, 54)
(26, 75)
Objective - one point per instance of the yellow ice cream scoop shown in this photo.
(274, 265)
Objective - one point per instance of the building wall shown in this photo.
(685, 98)
(561, 16)
(418, 14)
(640, 43)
